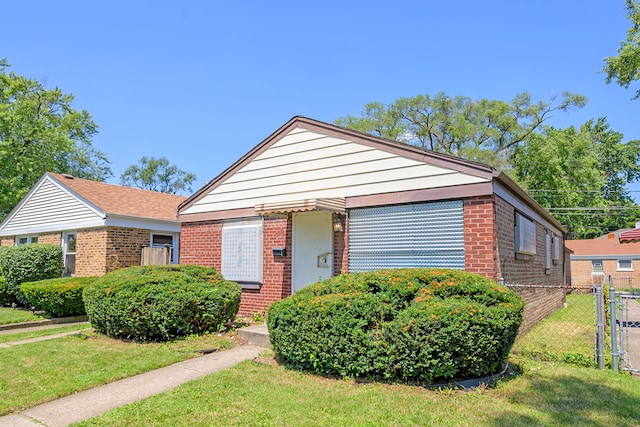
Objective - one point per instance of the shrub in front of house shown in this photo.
(5, 296)
(57, 297)
(159, 303)
(29, 263)
(420, 326)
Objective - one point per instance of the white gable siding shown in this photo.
(50, 208)
(306, 165)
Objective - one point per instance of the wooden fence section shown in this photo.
(156, 256)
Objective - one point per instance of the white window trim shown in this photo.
(624, 268)
(65, 249)
(174, 246)
(242, 251)
(593, 263)
(29, 238)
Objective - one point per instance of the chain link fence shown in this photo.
(599, 326)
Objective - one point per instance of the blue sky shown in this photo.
(203, 82)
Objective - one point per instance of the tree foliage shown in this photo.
(157, 175)
(482, 130)
(568, 171)
(625, 67)
(41, 132)
(580, 175)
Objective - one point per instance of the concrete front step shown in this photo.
(256, 334)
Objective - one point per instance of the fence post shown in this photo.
(614, 338)
(600, 325)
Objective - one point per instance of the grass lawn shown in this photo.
(9, 315)
(253, 394)
(43, 332)
(567, 335)
(544, 392)
(38, 372)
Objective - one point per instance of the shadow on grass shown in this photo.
(570, 400)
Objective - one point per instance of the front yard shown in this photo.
(542, 392)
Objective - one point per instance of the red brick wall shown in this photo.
(201, 243)
(7, 241)
(276, 273)
(480, 254)
(543, 292)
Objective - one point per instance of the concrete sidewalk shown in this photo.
(95, 401)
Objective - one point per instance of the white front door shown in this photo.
(312, 248)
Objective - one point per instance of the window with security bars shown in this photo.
(412, 235)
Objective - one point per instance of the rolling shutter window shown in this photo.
(414, 235)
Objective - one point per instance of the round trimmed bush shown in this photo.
(59, 297)
(159, 303)
(408, 325)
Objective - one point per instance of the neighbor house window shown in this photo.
(525, 235)
(69, 253)
(25, 240)
(242, 251)
(625, 265)
(596, 265)
(161, 240)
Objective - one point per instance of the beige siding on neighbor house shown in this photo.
(50, 208)
(308, 165)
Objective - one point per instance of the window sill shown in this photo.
(525, 257)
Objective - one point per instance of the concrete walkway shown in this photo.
(90, 403)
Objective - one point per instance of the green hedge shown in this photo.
(159, 303)
(58, 297)
(29, 263)
(5, 296)
(408, 325)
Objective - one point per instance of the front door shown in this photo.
(312, 248)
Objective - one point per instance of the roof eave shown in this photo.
(452, 162)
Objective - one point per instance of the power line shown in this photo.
(599, 208)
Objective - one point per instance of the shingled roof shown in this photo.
(121, 200)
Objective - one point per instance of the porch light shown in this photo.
(337, 224)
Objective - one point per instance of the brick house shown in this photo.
(101, 227)
(614, 256)
(314, 200)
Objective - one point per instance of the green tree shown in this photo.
(157, 175)
(41, 132)
(580, 176)
(482, 130)
(625, 67)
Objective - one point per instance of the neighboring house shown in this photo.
(101, 227)
(314, 200)
(614, 256)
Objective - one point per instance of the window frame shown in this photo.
(525, 233)
(30, 238)
(66, 252)
(630, 268)
(595, 262)
(243, 239)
